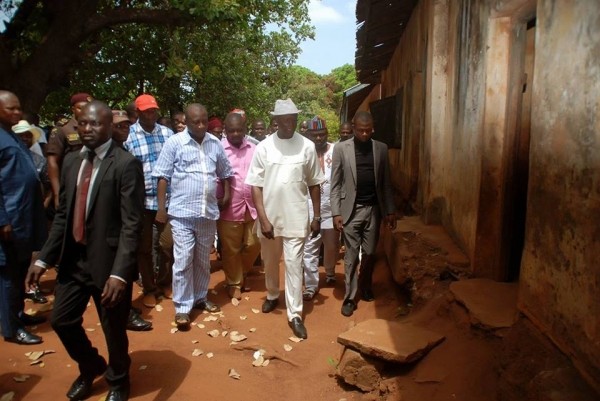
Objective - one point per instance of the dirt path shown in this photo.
(163, 367)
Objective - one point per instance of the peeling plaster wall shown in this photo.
(560, 272)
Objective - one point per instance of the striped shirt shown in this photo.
(192, 169)
(146, 146)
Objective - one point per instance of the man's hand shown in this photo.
(267, 229)
(33, 277)
(113, 292)
(390, 221)
(56, 202)
(338, 223)
(161, 216)
(223, 203)
(315, 228)
(6, 232)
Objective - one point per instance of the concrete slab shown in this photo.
(490, 304)
(390, 340)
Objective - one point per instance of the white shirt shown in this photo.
(326, 217)
(285, 168)
(100, 155)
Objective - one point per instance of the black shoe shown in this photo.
(29, 320)
(137, 323)
(24, 337)
(348, 308)
(36, 296)
(120, 394)
(269, 305)
(367, 295)
(82, 386)
(298, 328)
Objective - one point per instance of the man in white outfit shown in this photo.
(284, 169)
(328, 236)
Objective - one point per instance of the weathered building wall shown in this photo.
(560, 273)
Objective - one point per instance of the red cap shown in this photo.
(145, 102)
(213, 123)
(81, 97)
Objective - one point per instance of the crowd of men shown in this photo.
(133, 199)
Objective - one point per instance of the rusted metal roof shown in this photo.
(380, 24)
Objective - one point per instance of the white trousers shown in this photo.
(330, 239)
(192, 238)
(292, 249)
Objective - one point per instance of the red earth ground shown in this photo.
(164, 368)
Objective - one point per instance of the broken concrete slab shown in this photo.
(359, 370)
(490, 304)
(391, 341)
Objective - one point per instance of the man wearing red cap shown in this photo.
(63, 140)
(146, 139)
(215, 127)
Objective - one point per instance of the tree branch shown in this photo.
(138, 15)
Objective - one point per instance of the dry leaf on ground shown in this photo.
(213, 333)
(295, 339)
(258, 361)
(200, 326)
(243, 317)
(195, 341)
(21, 378)
(90, 329)
(210, 318)
(36, 362)
(197, 352)
(237, 337)
(287, 347)
(233, 374)
(174, 330)
(235, 301)
(8, 396)
(254, 310)
(224, 333)
(266, 362)
(35, 355)
(159, 308)
(143, 367)
(252, 329)
(210, 355)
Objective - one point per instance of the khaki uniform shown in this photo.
(64, 139)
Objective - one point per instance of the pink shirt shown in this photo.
(241, 193)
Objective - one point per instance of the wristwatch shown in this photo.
(317, 218)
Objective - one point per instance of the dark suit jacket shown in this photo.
(113, 223)
(343, 179)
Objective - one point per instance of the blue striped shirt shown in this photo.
(192, 170)
(146, 146)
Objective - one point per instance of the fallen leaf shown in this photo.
(90, 329)
(213, 333)
(254, 310)
(197, 352)
(8, 396)
(200, 326)
(224, 333)
(158, 308)
(195, 341)
(36, 362)
(233, 374)
(173, 324)
(266, 362)
(235, 301)
(247, 298)
(210, 319)
(49, 351)
(35, 355)
(210, 355)
(295, 339)
(252, 329)
(21, 378)
(42, 365)
(258, 353)
(258, 361)
(89, 304)
(287, 347)
(143, 367)
(243, 317)
(28, 353)
(174, 330)
(237, 337)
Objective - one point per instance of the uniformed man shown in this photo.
(64, 139)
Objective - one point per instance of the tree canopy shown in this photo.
(224, 53)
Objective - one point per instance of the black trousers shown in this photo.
(12, 290)
(72, 294)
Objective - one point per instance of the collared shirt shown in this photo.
(285, 168)
(192, 170)
(241, 193)
(146, 146)
(325, 162)
(100, 155)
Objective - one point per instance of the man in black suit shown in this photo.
(95, 237)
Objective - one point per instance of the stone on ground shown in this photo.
(389, 340)
(360, 371)
(490, 304)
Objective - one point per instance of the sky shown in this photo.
(335, 36)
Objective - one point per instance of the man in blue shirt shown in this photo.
(191, 162)
(21, 206)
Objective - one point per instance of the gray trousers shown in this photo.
(361, 234)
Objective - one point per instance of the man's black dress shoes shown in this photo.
(298, 328)
(36, 296)
(121, 394)
(137, 323)
(24, 337)
(269, 305)
(82, 386)
(29, 320)
(348, 308)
